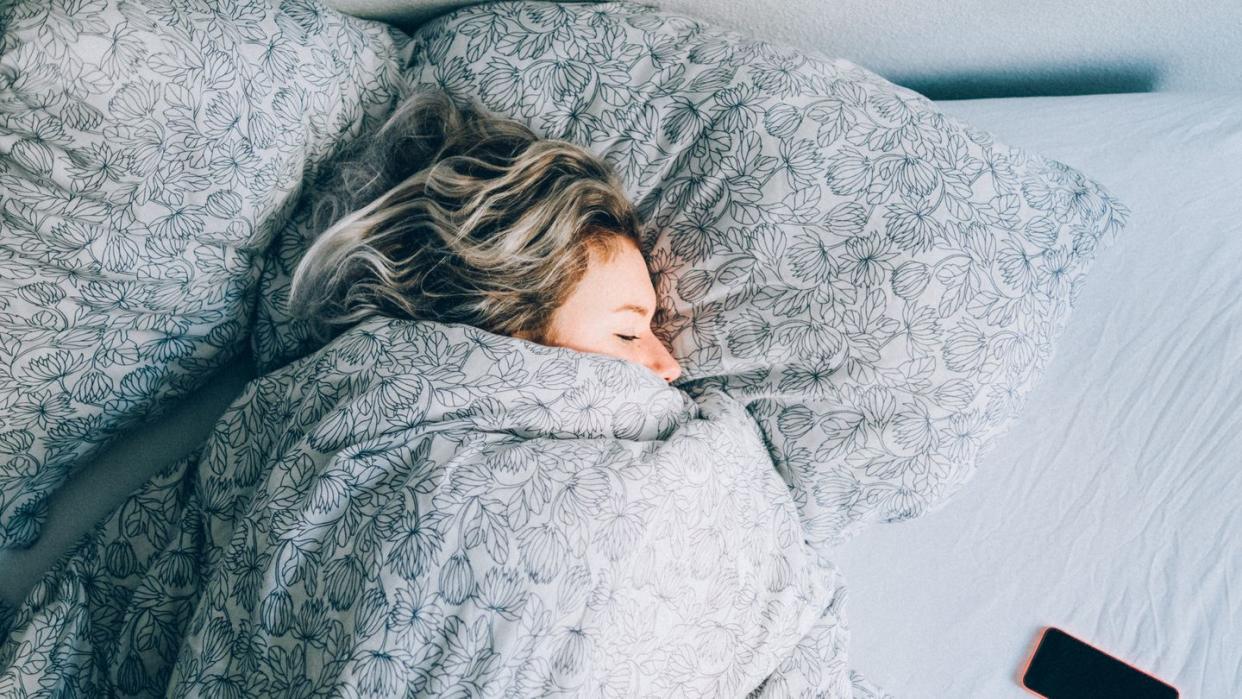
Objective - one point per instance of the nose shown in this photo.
(661, 361)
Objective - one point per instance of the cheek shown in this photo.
(573, 332)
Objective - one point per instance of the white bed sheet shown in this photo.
(1113, 506)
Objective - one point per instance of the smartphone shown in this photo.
(1063, 667)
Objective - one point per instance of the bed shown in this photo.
(1145, 361)
(1110, 509)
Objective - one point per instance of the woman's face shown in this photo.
(610, 310)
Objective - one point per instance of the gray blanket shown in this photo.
(435, 510)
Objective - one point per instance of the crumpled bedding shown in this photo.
(149, 153)
(437, 508)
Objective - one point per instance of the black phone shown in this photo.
(1063, 667)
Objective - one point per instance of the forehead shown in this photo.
(616, 277)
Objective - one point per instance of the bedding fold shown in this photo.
(436, 508)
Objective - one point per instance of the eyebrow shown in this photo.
(630, 307)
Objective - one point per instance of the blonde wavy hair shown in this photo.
(459, 217)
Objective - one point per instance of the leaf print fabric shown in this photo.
(860, 291)
(879, 283)
(148, 152)
(391, 515)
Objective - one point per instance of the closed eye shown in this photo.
(628, 338)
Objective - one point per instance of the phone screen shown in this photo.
(1064, 667)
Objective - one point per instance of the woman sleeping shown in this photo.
(484, 485)
(482, 223)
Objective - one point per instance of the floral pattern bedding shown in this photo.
(879, 283)
(149, 151)
(860, 289)
(422, 509)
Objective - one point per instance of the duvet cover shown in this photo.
(421, 509)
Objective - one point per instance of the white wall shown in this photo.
(978, 48)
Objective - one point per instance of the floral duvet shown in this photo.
(422, 509)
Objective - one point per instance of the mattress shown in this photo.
(1111, 507)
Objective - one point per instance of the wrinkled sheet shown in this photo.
(1110, 509)
(437, 509)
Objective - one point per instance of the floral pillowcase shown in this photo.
(880, 283)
